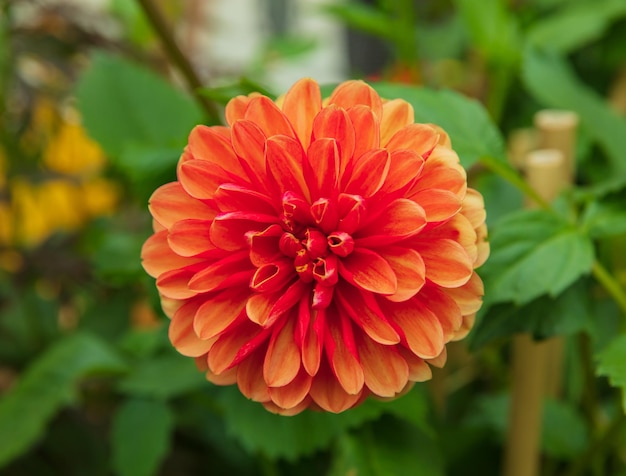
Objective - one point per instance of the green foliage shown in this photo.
(606, 217)
(48, 385)
(534, 253)
(473, 133)
(140, 437)
(551, 80)
(611, 364)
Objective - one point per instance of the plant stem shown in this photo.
(610, 284)
(176, 56)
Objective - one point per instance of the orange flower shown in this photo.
(315, 253)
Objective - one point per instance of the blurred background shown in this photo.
(94, 112)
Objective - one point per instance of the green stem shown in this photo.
(176, 56)
(610, 284)
(501, 77)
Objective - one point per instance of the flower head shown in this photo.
(317, 252)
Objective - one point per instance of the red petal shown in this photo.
(334, 123)
(265, 245)
(447, 263)
(369, 174)
(421, 328)
(227, 346)
(301, 104)
(323, 156)
(249, 144)
(170, 203)
(282, 360)
(401, 219)
(367, 270)
(386, 372)
(200, 178)
(355, 92)
(409, 269)
(294, 393)
(157, 257)
(286, 162)
(312, 342)
(207, 144)
(419, 138)
(219, 312)
(230, 270)
(182, 334)
(228, 230)
(439, 205)
(364, 310)
(265, 114)
(231, 197)
(272, 277)
(397, 114)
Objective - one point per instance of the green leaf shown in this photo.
(549, 78)
(387, 447)
(543, 317)
(574, 26)
(606, 217)
(48, 385)
(471, 131)
(534, 252)
(140, 437)
(307, 432)
(611, 364)
(163, 377)
(364, 18)
(492, 28)
(124, 104)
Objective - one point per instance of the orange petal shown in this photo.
(422, 329)
(439, 205)
(354, 93)
(219, 312)
(409, 268)
(334, 123)
(228, 345)
(190, 237)
(468, 296)
(366, 129)
(201, 178)
(364, 310)
(419, 370)
(173, 284)
(369, 174)
(342, 359)
(386, 372)
(474, 208)
(440, 360)
(286, 162)
(440, 173)
(270, 119)
(301, 104)
(405, 167)
(282, 360)
(273, 408)
(157, 256)
(250, 378)
(294, 393)
(323, 156)
(419, 138)
(207, 144)
(312, 342)
(170, 203)
(369, 271)
(447, 263)
(397, 113)
(329, 394)
(227, 377)
(182, 334)
(249, 144)
(444, 307)
(401, 219)
(236, 108)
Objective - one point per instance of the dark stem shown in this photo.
(176, 56)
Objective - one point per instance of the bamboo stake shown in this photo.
(544, 172)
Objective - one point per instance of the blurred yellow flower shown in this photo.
(72, 152)
(99, 196)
